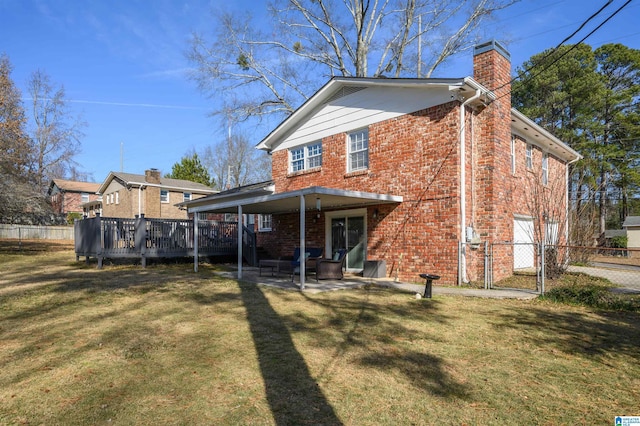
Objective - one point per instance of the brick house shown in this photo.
(404, 170)
(68, 196)
(128, 195)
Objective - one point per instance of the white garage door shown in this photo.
(523, 253)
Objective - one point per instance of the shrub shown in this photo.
(594, 296)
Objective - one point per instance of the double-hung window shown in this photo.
(85, 197)
(264, 222)
(164, 196)
(306, 157)
(545, 168)
(186, 196)
(358, 150)
(529, 157)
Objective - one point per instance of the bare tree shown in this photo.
(234, 162)
(272, 71)
(56, 134)
(17, 194)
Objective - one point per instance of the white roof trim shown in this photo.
(288, 201)
(538, 136)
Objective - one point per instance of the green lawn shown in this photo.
(163, 345)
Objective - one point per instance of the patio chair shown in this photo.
(311, 254)
(331, 269)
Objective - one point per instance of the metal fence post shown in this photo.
(486, 265)
(542, 267)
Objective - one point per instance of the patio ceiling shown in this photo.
(286, 202)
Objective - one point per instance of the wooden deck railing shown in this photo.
(108, 237)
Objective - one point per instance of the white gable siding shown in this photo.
(360, 109)
(113, 186)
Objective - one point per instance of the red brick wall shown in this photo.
(65, 202)
(415, 156)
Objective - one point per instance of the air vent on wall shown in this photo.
(345, 91)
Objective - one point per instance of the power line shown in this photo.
(551, 52)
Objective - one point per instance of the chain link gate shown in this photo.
(473, 261)
(515, 265)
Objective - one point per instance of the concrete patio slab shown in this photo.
(283, 281)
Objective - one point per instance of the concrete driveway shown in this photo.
(627, 278)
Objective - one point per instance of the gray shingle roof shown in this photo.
(631, 221)
(175, 183)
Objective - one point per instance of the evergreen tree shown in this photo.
(190, 168)
(589, 99)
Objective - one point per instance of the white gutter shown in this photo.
(463, 182)
(178, 188)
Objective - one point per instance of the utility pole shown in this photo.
(419, 46)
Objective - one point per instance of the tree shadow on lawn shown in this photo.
(588, 334)
(293, 395)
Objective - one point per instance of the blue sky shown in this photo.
(123, 66)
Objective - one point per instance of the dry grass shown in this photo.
(163, 345)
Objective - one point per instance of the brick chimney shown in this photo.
(152, 176)
(492, 68)
(493, 214)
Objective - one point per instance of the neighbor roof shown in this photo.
(74, 186)
(631, 221)
(135, 180)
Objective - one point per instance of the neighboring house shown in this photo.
(402, 170)
(92, 208)
(607, 237)
(68, 196)
(129, 195)
(632, 226)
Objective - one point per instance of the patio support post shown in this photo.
(239, 242)
(195, 242)
(303, 259)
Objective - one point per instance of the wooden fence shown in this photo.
(36, 232)
(107, 237)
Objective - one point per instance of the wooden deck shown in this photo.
(143, 238)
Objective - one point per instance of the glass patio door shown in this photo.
(349, 233)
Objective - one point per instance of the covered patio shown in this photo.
(262, 199)
(350, 281)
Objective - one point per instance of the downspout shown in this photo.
(463, 185)
(140, 188)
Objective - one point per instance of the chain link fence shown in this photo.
(539, 267)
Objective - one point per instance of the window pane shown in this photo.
(359, 150)
(164, 196)
(314, 154)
